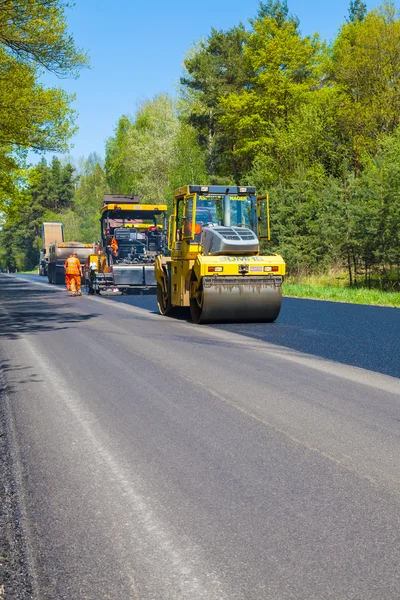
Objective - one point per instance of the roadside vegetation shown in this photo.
(33, 40)
(334, 293)
(334, 286)
(314, 125)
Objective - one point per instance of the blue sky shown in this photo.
(137, 48)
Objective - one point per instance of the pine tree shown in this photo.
(357, 11)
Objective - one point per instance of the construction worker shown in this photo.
(114, 247)
(73, 269)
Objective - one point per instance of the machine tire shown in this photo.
(164, 299)
(196, 299)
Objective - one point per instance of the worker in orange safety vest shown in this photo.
(73, 270)
(114, 246)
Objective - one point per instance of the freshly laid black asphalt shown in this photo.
(358, 335)
(151, 458)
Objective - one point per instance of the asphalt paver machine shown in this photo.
(215, 266)
(133, 234)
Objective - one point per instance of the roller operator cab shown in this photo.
(132, 235)
(215, 266)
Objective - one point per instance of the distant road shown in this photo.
(358, 335)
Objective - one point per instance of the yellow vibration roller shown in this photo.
(215, 267)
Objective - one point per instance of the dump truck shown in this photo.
(52, 233)
(133, 234)
(58, 253)
(215, 267)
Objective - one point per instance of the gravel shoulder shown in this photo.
(15, 578)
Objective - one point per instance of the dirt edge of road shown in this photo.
(16, 582)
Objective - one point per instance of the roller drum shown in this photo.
(241, 299)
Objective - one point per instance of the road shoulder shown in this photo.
(16, 581)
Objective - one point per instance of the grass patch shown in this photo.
(340, 293)
(33, 272)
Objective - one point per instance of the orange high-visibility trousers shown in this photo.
(68, 281)
(75, 284)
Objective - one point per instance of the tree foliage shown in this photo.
(214, 69)
(153, 152)
(33, 38)
(36, 33)
(363, 68)
(284, 67)
(357, 11)
(316, 126)
(88, 199)
(31, 116)
(313, 125)
(48, 195)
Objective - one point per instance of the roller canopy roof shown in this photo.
(220, 190)
(132, 211)
(119, 199)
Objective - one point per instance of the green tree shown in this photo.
(153, 153)
(119, 176)
(150, 148)
(376, 214)
(89, 198)
(286, 74)
(36, 32)
(188, 164)
(214, 69)
(278, 11)
(33, 37)
(52, 187)
(364, 70)
(47, 195)
(357, 11)
(31, 116)
(19, 237)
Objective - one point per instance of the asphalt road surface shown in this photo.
(358, 335)
(158, 460)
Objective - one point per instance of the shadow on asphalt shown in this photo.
(27, 374)
(31, 312)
